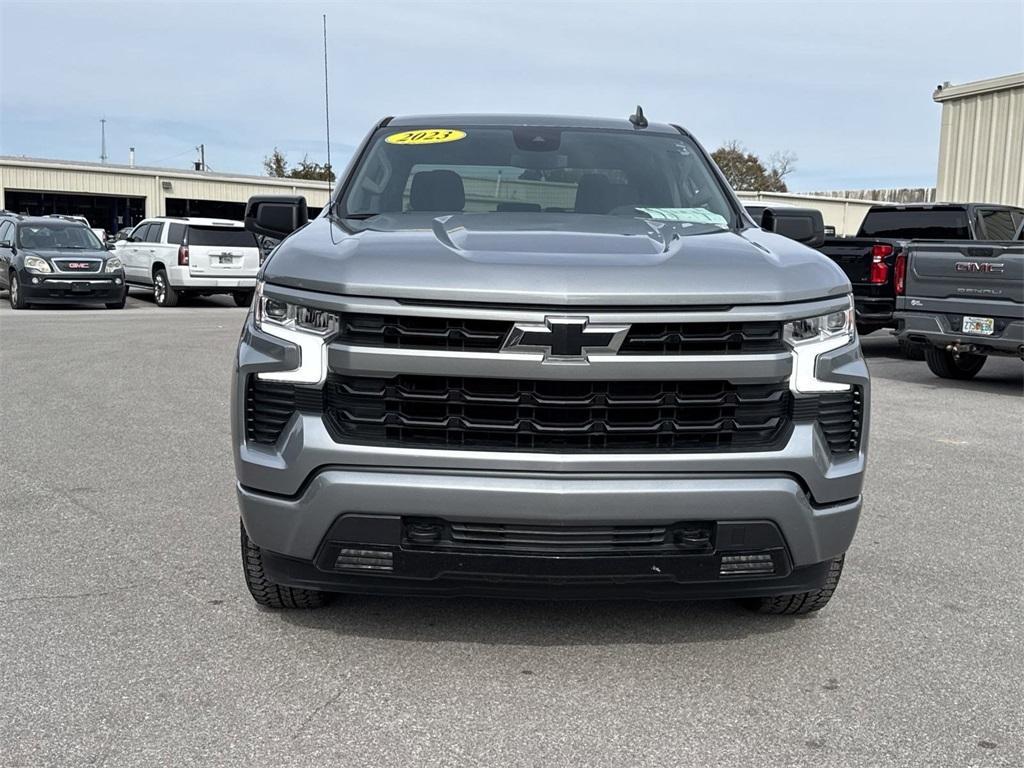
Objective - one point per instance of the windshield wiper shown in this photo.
(360, 216)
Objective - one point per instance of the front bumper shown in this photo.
(941, 329)
(298, 527)
(63, 288)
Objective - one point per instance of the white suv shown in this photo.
(182, 256)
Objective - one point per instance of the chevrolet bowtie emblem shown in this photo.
(565, 339)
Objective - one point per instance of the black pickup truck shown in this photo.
(870, 257)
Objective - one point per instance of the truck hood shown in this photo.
(553, 259)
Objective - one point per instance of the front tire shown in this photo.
(267, 593)
(802, 602)
(163, 292)
(14, 294)
(946, 365)
(242, 298)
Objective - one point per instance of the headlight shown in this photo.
(36, 264)
(308, 328)
(811, 337)
(113, 264)
(271, 313)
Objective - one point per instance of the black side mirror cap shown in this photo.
(273, 216)
(805, 225)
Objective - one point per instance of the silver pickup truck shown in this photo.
(962, 302)
(545, 357)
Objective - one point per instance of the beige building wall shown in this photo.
(154, 184)
(981, 145)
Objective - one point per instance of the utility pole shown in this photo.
(103, 140)
(201, 165)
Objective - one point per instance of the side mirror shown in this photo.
(276, 217)
(6, 244)
(108, 246)
(805, 225)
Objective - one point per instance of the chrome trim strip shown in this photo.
(749, 313)
(74, 280)
(383, 361)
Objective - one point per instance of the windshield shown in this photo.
(516, 170)
(58, 237)
(221, 237)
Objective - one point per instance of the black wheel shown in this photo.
(163, 291)
(802, 602)
(242, 298)
(14, 294)
(946, 365)
(910, 350)
(267, 593)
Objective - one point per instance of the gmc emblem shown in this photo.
(977, 266)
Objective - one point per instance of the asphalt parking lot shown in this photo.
(128, 637)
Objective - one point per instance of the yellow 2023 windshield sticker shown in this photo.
(426, 136)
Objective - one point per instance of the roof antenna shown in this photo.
(637, 119)
(327, 104)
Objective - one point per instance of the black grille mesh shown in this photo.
(270, 404)
(561, 540)
(510, 414)
(840, 414)
(702, 338)
(408, 332)
(441, 333)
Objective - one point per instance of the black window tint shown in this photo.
(155, 231)
(925, 224)
(221, 237)
(139, 233)
(997, 224)
(176, 234)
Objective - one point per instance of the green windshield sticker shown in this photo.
(689, 215)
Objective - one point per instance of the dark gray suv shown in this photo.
(544, 357)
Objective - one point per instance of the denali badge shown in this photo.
(977, 266)
(571, 339)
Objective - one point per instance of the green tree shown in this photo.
(747, 171)
(277, 165)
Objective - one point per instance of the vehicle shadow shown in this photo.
(537, 623)
(146, 298)
(1000, 376)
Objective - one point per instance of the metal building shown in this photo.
(981, 147)
(116, 196)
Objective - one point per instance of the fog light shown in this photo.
(117, 281)
(365, 559)
(35, 280)
(746, 565)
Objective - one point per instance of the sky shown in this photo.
(845, 86)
